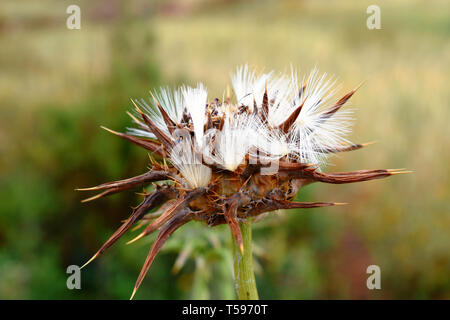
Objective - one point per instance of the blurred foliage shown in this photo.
(57, 86)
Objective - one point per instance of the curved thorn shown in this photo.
(138, 122)
(296, 205)
(160, 135)
(89, 261)
(134, 292)
(167, 230)
(168, 121)
(171, 211)
(351, 147)
(351, 177)
(333, 109)
(141, 235)
(151, 200)
(97, 196)
(393, 173)
(147, 177)
(286, 125)
(146, 144)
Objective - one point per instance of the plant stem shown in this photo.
(244, 277)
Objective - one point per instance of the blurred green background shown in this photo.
(57, 86)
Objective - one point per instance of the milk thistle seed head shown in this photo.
(226, 161)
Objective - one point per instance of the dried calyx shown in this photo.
(226, 161)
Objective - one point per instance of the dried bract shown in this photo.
(226, 161)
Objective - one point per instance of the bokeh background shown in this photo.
(57, 86)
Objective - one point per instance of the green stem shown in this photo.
(244, 277)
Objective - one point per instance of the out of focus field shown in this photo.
(57, 86)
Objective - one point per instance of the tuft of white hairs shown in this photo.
(172, 103)
(308, 140)
(248, 87)
(189, 164)
(283, 91)
(153, 113)
(230, 145)
(312, 133)
(271, 144)
(195, 100)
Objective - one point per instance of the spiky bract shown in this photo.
(225, 161)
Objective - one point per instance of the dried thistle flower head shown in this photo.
(225, 161)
